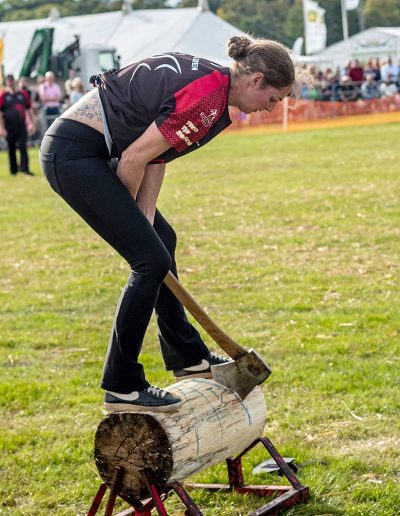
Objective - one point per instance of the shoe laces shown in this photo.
(156, 391)
(218, 358)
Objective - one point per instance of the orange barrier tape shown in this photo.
(310, 111)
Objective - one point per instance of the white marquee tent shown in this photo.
(375, 42)
(135, 34)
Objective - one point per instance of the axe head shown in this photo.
(243, 374)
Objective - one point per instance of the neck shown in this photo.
(234, 90)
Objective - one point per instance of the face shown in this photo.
(253, 97)
(10, 83)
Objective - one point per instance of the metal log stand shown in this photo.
(285, 496)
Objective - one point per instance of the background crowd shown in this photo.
(26, 112)
(370, 80)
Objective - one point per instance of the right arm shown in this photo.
(134, 159)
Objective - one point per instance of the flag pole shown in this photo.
(344, 20)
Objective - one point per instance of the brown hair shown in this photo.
(269, 57)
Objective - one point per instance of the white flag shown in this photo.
(351, 4)
(314, 27)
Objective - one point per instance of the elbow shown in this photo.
(131, 159)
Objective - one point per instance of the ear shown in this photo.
(257, 78)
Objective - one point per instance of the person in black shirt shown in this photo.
(144, 116)
(16, 113)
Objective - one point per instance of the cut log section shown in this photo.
(211, 425)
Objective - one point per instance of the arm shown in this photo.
(31, 126)
(133, 165)
(3, 132)
(150, 188)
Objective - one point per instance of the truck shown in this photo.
(73, 60)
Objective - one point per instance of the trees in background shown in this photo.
(279, 19)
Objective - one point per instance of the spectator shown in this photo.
(16, 120)
(50, 97)
(388, 88)
(373, 68)
(370, 88)
(389, 69)
(347, 91)
(77, 90)
(23, 85)
(356, 73)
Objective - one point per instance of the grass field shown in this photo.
(291, 242)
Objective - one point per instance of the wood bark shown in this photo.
(211, 425)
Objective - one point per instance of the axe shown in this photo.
(246, 370)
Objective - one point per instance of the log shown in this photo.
(211, 425)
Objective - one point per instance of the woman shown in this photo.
(146, 115)
(77, 90)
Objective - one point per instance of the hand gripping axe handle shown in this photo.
(246, 370)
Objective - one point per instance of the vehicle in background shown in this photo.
(74, 60)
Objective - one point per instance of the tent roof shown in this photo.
(372, 42)
(135, 34)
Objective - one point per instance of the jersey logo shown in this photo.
(207, 120)
(185, 131)
(195, 63)
(175, 67)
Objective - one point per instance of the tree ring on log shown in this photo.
(134, 442)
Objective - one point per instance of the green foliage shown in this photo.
(278, 19)
(214, 5)
(291, 241)
(11, 10)
(382, 13)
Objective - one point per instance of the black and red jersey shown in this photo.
(13, 106)
(186, 96)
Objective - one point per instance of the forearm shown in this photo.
(133, 163)
(150, 188)
(2, 127)
(130, 171)
(30, 117)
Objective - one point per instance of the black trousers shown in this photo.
(17, 135)
(75, 162)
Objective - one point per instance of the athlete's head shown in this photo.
(263, 73)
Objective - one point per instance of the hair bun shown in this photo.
(238, 47)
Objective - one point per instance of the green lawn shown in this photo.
(291, 242)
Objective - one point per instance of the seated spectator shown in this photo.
(347, 91)
(370, 88)
(50, 97)
(388, 88)
(76, 90)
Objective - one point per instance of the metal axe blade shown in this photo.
(243, 374)
(246, 370)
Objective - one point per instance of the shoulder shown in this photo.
(211, 85)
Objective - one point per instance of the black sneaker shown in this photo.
(151, 399)
(202, 369)
(27, 172)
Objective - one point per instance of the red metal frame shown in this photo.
(285, 496)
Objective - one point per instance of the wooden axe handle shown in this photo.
(233, 349)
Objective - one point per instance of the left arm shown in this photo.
(150, 188)
(31, 126)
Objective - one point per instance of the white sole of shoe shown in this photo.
(130, 407)
(194, 375)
